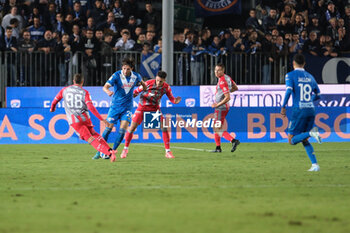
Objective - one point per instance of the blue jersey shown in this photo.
(304, 91)
(123, 89)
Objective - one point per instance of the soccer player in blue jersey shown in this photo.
(304, 90)
(124, 82)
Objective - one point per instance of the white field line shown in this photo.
(155, 187)
(197, 149)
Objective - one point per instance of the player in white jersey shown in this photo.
(222, 97)
(77, 103)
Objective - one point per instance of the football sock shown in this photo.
(217, 139)
(128, 137)
(310, 152)
(106, 133)
(166, 139)
(227, 136)
(300, 137)
(101, 145)
(119, 138)
(167, 150)
(126, 148)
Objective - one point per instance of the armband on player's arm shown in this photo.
(94, 111)
(286, 97)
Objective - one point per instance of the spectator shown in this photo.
(36, 30)
(253, 21)
(89, 26)
(8, 43)
(106, 54)
(267, 58)
(304, 37)
(13, 14)
(331, 11)
(137, 32)
(99, 35)
(343, 41)
(46, 44)
(158, 47)
(78, 14)
(288, 13)
(14, 26)
(75, 37)
(205, 37)
(149, 38)
(68, 23)
(119, 14)
(347, 17)
(25, 47)
(197, 62)
(332, 29)
(63, 53)
(179, 42)
(50, 16)
(131, 26)
(270, 21)
(152, 17)
(109, 24)
(253, 45)
(59, 26)
(35, 14)
(279, 51)
(131, 8)
(312, 46)
(98, 14)
(215, 48)
(139, 42)
(301, 23)
(295, 46)
(328, 50)
(315, 25)
(124, 43)
(285, 25)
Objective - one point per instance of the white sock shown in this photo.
(167, 150)
(125, 147)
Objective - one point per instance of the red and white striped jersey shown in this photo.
(76, 101)
(150, 99)
(223, 87)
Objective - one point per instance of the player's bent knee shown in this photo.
(306, 142)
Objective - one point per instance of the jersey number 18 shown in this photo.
(305, 92)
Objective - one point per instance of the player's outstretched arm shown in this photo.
(177, 100)
(144, 85)
(106, 89)
(57, 99)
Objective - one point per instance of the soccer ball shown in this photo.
(104, 156)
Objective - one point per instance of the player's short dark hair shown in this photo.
(161, 74)
(299, 59)
(129, 62)
(78, 78)
(221, 65)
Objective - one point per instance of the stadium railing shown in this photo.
(41, 69)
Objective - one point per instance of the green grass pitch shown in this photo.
(262, 187)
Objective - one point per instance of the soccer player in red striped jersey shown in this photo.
(77, 103)
(222, 98)
(149, 102)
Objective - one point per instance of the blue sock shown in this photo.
(300, 137)
(310, 151)
(106, 133)
(119, 138)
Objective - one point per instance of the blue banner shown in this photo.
(329, 70)
(150, 65)
(41, 97)
(204, 8)
(38, 125)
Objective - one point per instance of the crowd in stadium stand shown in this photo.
(275, 27)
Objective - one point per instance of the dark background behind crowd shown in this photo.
(100, 27)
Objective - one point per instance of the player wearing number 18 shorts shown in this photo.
(304, 90)
(77, 103)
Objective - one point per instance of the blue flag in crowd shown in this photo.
(204, 8)
(150, 65)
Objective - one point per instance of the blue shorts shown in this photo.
(115, 115)
(301, 125)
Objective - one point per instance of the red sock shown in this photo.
(128, 137)
(166, 140)
(227, 136)
(101, 145)
(217, 139)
